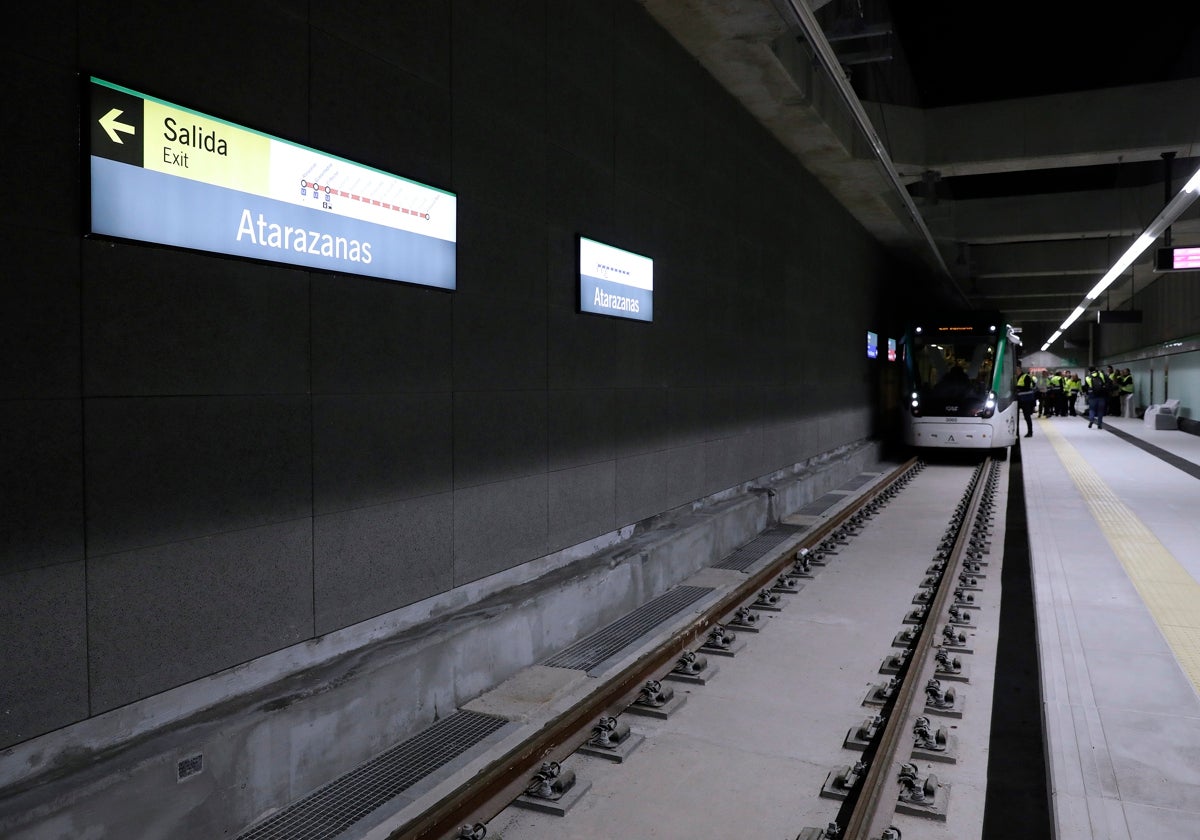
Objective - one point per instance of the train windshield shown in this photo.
(953, 370)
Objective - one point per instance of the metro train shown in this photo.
(959, 383)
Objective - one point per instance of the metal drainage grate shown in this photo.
(821, 504)
(594, 649)
(859, 480)
(335, 807)
(758, 548)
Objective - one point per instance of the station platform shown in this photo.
(1114, 532)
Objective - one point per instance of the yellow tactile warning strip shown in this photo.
(1169, 592)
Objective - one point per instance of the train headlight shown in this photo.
(989, 407)
(915, 404)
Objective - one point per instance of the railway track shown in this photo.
(918, 699)
(877, 784)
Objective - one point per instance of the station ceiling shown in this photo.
(1031, 147)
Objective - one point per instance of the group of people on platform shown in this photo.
(1054, 393)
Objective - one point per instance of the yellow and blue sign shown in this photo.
(168, 175)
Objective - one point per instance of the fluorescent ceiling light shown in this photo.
(1079, 310)
(1135, 250)
(1164, 220)
(1193, 184)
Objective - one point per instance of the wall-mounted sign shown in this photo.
(615, 282)
(872, 345)
(1177, 259)
(165, 174)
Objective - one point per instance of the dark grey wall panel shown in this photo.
(499, 343)
(595, 351)
(498, 435)
(159, 321)
(579, 44)
(498, 48)
(374, 448)
(562, 260)
(371, 336)
(406, 130)
(39, 317)
(582, 427)
(641, 485)
(414, 35)
(161, 470)
(46, 145)
(498, 526)
(48, 37)
(785, 402)
(582, 504)
(41, 483)
(45, 658)
(686, 471)
(498, 164)
(734, 410)
(687, 416)
(642, 424)
(579, 192)
(375, 559)
(254, 73)
(723, 460)
(778, 444)
(579, 118)
(162, 616)
(505, 256)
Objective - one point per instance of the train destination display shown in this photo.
(615, 282)
(169, 175)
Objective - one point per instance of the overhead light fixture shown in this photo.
(1135, 250)
(1073, 317)
(1174, 209)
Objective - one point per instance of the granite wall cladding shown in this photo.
(210, 459)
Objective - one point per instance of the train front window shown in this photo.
(954, 370)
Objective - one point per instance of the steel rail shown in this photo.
(869, 817)
(494, 787)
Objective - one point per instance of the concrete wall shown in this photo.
(1161, 352)
(262, 748)
(209, 461)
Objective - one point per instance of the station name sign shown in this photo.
(169, 175)
(615, 282)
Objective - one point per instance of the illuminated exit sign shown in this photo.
(169, 175)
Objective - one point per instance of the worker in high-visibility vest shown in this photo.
(1043, 382)
(1026, 396)
(1126, 393)
(1072, 387)
(1054, 393)
(1097, 385)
